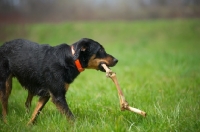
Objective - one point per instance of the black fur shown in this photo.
(44, 70)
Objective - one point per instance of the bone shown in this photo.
(123, 103)
(108, 71)
(136, 111)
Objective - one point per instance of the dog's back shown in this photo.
(29, 61)
(23, 58)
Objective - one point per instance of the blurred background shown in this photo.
(16, 14)
(21, 11)
(157, 43)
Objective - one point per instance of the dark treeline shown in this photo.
(59, 10)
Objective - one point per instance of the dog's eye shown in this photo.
(101, 50)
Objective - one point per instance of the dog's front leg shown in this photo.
(62, 106)
(61, 103)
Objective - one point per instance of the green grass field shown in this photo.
(158, 71)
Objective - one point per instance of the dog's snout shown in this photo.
(115, 60)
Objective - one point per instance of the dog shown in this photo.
(47, 71)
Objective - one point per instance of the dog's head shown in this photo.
(91, 54)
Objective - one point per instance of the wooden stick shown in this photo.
(123, 103)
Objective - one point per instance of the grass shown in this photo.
(158, 71)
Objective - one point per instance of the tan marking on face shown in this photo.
(94, 62)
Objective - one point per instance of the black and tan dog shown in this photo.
(47, 71)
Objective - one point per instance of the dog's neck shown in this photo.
(77, 62)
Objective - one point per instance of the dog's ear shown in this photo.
(79, 46)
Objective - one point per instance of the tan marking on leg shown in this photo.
(62, 106)
(9, 85)
(5, 96)
(42, 101)
(4, 106)
(66, 86)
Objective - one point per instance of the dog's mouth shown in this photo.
(110, 64)
(102, 69)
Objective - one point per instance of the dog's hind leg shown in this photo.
(5, 90)
(42, 101)
(28, 101)
(9, 85)
(3, 99)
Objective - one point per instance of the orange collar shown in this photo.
(77, 62)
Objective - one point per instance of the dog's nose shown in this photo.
(115, 61)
